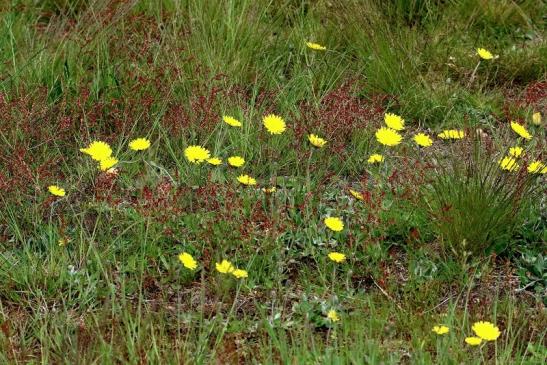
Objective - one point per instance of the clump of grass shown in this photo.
(474, 203)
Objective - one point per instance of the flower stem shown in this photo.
(472, 78)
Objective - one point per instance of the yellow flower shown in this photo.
(246, 180)
(515, 151)
(333, 316)
(441, 330)
(196, 154)
(388, 136)
(55, 190)
(473, 341)
(62, 242)
(269, 190)
(315, 46)
(240, 274)
(486, 331)
(188, 261)
(452, 134)
(316, 140)
(423, 140)
(357, 195)
(394, 121)
(139, 144)
(536, 118)
(225, 267)
(520, 130)
(337, 257)
(375, 158)
(537, 167)
(231, 121)
(98, 150)
(508, 163)
(334, 223)
(484, 54)
(107, 163)
(215, 161)
(236, 161)
(274, 124)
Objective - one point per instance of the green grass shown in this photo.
(475, 203)
(114, 291)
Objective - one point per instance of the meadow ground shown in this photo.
(365, 245)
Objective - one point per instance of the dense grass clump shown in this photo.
(476, 204)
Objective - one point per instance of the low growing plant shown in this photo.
(474, 203)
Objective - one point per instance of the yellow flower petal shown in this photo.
(236, 161)
(537, 167)
(423, 140)
(333, 316)
(240, 274)
(536, 118)
(473, 341)
(337, 257)
(225, 267)
(196, 154)
(484, 54)
(441, 330)
(246, 180)
(394, 121)
(515, 151)
(315, 46)
(334, 223)
(56, 190)
(231, 121)
(520, 130)
(375, 158)
(486, 331)
(388, 136)
(188, 261)
(357, 195)
(274, 124)
(316, 140)
(139, 144)
(215, 161)
(452, 134)
(509, 164)
(107, 163)
(98, 150)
